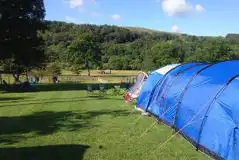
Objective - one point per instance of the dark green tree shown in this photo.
(129, 48)
(20, 22)
(84, 51)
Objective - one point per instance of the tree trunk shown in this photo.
(88, 67)
(0, 78)
(26, 74)
(16, 77)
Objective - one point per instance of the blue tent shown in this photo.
(201, 101)
(153, 79)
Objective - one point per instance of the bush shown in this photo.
(76, 69)
(39, 73)
(53, 68)
(116, 91)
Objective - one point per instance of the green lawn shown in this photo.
(96, 72)
(71, 126)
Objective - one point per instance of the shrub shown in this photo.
(116, 91)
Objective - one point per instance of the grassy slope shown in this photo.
(68, 125)
(148, 30)
(141, 29)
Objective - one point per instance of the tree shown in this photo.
(148, 62)
(166, 53)
(85, 52)
(121, 48)
(75, 69)
(19, 42)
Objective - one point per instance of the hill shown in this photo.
(148, 30)
(233, 37)
(77, 47)
(141, 29)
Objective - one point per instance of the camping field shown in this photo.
(66, 76)
(70, 125)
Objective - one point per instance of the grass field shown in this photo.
(96, 72)
(116, 76)
(68, 125)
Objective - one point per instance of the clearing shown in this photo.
(69, 125)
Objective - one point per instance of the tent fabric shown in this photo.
(144, 95)
(164, 70)
(200, 100)
(163, 85)
(149, 84)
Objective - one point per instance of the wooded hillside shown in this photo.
(78, 46)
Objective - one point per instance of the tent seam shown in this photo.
(184, 91)
(197, 63)
(210, 106)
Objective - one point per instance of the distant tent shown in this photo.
(201, 102)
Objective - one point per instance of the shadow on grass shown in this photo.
(10, 139)
(115, 113)
(75, 86)
(40, 123)
(37, 102)
(54, 152)
(3, 99)
(56, 100)
(12, 129)
(69, 87)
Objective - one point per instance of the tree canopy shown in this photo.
(112, 47)
(20, 46)
(28, 41)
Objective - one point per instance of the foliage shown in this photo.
(19, 41)
(111, 47)
(39, 73)
(75, 47)
(53, 68)
(75, 69)
(84, 52)
(116, 91)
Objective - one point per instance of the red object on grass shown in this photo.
(127, 97)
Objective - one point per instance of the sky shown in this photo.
(196, 17)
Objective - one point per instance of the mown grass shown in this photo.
(116, 76)
(70, 125)
(96, 72)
